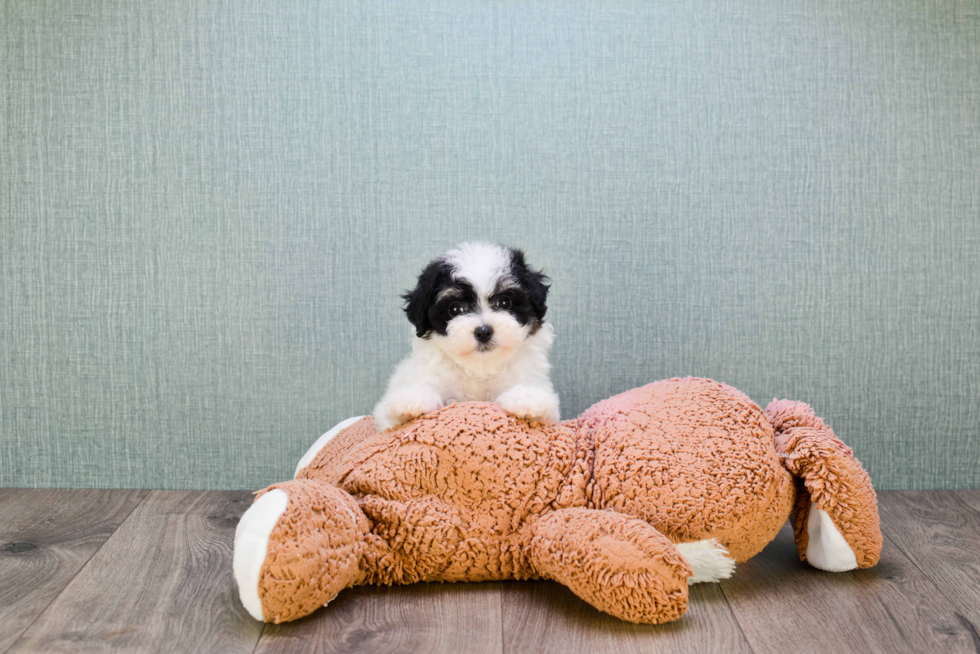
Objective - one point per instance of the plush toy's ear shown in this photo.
(419, 300)
(533, 282)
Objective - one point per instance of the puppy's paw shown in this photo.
(530, 403)
(404, 406)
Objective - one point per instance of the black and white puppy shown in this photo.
(480, 334)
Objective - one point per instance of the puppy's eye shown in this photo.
(501, 304)
(456, 309)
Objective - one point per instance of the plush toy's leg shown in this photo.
(296, 547)
(411, 541)
(836, 513)
(618, 564)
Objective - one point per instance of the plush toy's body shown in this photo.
(625, 505)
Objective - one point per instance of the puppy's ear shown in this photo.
(419, 300)
(533, 281)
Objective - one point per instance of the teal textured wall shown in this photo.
(208, 210)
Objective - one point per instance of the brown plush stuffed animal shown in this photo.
(648, 491)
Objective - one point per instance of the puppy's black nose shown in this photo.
(483, 333)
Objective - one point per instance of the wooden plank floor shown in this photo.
(138, 571)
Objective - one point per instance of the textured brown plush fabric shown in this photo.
(695, 459)
(834, 480)
(317, 549)
(618, 564)
(469, 493)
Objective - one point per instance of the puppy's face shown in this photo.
(478, 303)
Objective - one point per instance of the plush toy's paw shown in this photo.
(251, 546)
(404, 405)
(826, 547)
(530, 403)
(618, 564)
(836, 514)
(296, 547)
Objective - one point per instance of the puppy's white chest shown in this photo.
(465, 389)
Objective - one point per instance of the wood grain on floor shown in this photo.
(161, 583)
(46, 536)
(131, 571)
(546, 617)
(452, 618)
(786, 606)
(940, 532)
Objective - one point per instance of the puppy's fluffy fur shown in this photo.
(480, 334)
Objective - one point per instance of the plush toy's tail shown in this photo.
(836, 513)
(709, 560)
